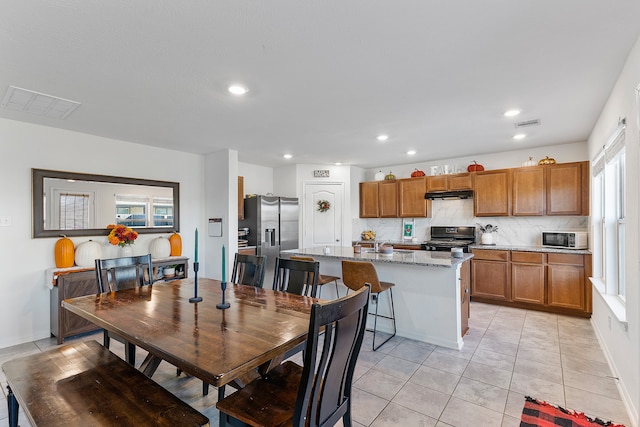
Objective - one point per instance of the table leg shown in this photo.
(150, 364)
(223, 420)
(13, 407)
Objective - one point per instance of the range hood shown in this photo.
(449, 195)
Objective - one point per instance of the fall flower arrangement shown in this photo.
(121, 235)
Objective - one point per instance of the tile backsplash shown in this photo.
(512, 230)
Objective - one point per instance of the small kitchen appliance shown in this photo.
(446, 238)
(566, 239)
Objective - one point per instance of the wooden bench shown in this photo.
(84, 384)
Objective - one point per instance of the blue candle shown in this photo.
(196, 256)
(224, 263)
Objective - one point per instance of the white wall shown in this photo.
(24, 301)
(257, 179)
(623, 346)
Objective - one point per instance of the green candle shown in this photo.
(195, 259)
(224, 270)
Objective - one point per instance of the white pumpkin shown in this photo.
(87, 253)
(160, 247)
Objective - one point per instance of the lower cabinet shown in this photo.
(553, 282)
(64, 324)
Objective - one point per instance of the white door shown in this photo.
(322, 226)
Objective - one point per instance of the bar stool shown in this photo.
(322, 279)
(355, 274)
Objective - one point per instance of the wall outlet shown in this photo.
(5, 221)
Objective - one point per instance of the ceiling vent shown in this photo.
(38, 103)
(527, 123)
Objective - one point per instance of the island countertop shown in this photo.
(399, 256)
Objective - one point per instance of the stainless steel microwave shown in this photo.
(565, 239)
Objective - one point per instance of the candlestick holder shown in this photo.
(195, 297)
(223, 305)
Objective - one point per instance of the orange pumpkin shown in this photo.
(176, 244)
(417, 173)
(64, 252)
(475, 167)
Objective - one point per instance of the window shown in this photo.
(608, 220)
(73, 211)
(131, 211)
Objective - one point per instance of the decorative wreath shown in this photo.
(323, 205)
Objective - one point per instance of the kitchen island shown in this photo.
(430, 303)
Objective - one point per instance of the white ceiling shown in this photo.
(325, 77)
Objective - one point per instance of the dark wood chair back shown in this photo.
(249, 270)
(297, 277)
(325, 387)
(114, 274)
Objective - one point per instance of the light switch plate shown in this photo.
(5, 221)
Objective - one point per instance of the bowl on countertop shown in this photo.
(386, 249)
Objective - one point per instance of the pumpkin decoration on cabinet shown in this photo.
(547, 161)
(87, 253)
(417, 173)
(176, 244)
(390, 176)
(529, 162)
(64, 252)
(160, 248)
(379, 176)
(475, 167)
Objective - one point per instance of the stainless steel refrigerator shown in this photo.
(273, 225)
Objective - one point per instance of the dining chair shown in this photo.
(297, 277)
(318, 393)
(114, 274)
(322, 278)
(355, 274)
(249, 269)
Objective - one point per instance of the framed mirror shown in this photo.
(80, 204)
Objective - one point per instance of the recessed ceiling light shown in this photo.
(287, 156)
(519, 136)
(338, 164)
(382, 137)
(511, 113)
(238, 90)
(411, 152)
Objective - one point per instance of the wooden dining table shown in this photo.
(219, 346)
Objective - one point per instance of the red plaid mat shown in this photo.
(542, 414)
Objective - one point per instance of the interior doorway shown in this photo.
(322, 225)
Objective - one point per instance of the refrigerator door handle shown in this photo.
(270, 236)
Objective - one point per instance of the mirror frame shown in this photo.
(38, 176)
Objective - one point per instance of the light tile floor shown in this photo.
(508, 353)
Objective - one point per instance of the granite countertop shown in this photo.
(532, 248)
(387, 242)
(400, 256)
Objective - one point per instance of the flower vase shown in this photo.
(487, 238)
(126, 251)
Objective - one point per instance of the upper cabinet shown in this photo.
(458, 181)
(241, 197)
(492, 195)
(567, 189)
(412, 203)
(558, 189)
(403, 198)
(369, 200)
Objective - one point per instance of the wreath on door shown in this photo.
(324, 205)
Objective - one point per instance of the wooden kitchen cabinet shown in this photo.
(492, 193)
(369, 200)
(240, 197)
(528, 277)
(567, 189)
(465, 296)
(528, 188)
(451, 182)
(388, 199)
(566, 278)
(412, 203)
(490, 275)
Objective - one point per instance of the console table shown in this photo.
(78, 281)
